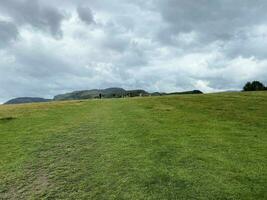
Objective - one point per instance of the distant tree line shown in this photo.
(254, 86)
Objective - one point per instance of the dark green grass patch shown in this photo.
(7, 119)
(176, 147)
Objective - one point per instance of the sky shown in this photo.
(49, 47)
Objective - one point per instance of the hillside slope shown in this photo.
(172, 147)
(23, 100)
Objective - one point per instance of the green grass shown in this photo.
(177, 147)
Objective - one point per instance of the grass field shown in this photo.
(177, 147)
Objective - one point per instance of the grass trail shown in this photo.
(176, 147)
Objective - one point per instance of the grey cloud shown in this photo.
(8, 33)
(133, 58)
(213, 20)
(116, 43)
(251, 42)
(85, 14)
(115, 38)
(32, 12)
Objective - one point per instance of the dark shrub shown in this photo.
(254, 86)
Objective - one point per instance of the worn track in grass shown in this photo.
(174, 147)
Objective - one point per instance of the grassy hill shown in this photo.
(173, 147)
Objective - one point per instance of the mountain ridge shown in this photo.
(22, 100)
(113, 92)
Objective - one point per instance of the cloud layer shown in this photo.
(48, 47)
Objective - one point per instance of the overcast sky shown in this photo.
(48, 47)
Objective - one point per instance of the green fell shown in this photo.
(210, 146)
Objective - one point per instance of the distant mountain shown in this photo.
(186, 92)
(27, 100)
(91, 94)
(96, 93)
(176, 93)
(136, 93)
(113, 93)
(105, 93)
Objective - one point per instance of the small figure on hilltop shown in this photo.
(100, 96)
